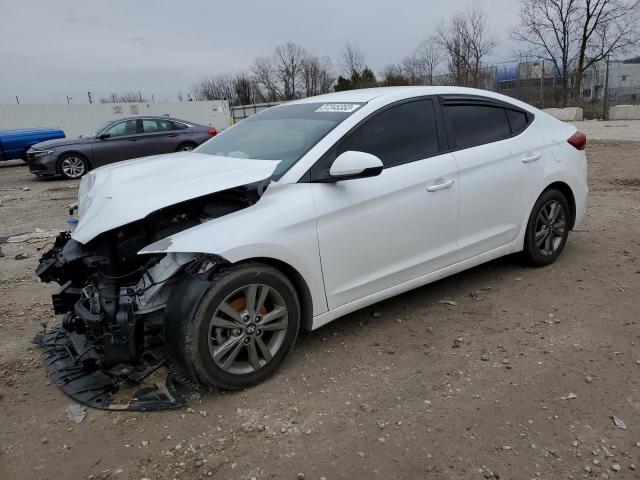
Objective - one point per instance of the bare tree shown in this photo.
(238, 89)
(316, 75)
(263, 71)
(124, 97)
(467, 43)
(548, 27)
(606, 27)
(291, 72)
(245, 89)
(577, 33)
(219, 87)
(351, 60)
(420, 67)
(289, 60)
(394, 75)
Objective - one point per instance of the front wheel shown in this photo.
(243, 328)
(73, 165)
(548, 229)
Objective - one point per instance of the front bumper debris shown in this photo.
(73, 366)
(103, 354)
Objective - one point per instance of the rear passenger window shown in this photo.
(178, 126)
(149, 126)
(518, 120)
(401, 134)
(477, 124)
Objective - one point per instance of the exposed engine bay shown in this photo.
(112, 301)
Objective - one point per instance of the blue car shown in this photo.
(15, 143)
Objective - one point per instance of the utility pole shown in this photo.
(140, 95)
(90, 97)
(605, 100)
(153, 98)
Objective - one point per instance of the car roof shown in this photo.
(365, 95)
(141, 117)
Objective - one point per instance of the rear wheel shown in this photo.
(186, 147)
(73, 165)
(243, 328)
(548, 229)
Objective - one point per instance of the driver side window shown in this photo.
(401, 134)
(123, 128)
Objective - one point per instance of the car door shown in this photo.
(500, 171)
(378, 232)
(157, 137)
(182, 133)
(119, 142)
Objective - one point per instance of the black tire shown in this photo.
(544, 239)
(79, 167)
(186, 147)
(191, 345)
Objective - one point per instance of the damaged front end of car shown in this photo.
(109, 351)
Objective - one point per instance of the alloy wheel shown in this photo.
(72, 167)
(248, 328)
(551, 226)
(186, 148)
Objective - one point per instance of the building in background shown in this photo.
(624, 82)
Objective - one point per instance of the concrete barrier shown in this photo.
(624, 112)
(569, 114)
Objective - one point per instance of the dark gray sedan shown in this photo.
(117, 140)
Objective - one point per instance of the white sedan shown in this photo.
(303, 213)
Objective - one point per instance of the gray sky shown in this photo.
(51, 49)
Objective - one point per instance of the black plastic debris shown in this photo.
(73, 366)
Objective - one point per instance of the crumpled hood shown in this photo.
(124, 192)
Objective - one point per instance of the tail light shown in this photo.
(213, 132)
(578, 140)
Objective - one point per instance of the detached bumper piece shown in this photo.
(72, 365)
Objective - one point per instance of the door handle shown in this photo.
(134, 139)
(440, 186)
(531, 158)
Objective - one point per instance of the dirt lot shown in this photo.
(519, 380)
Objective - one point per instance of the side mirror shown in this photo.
(102, 136)
(351, 165)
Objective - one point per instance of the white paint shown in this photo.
(353, 163)
(123, 192)
(381, 231)
(356, 242)
(77, 119)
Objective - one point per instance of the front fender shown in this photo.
(280, 226)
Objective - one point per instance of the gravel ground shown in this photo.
(611, 130)
(519, 378)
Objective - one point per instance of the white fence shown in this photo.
(76, 119)
(240, 112)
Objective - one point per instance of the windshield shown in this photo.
(96, 131)
(282, 133)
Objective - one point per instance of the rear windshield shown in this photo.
(282, 133)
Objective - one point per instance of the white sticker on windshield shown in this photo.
(338, 107)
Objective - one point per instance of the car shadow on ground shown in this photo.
(423, 297)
